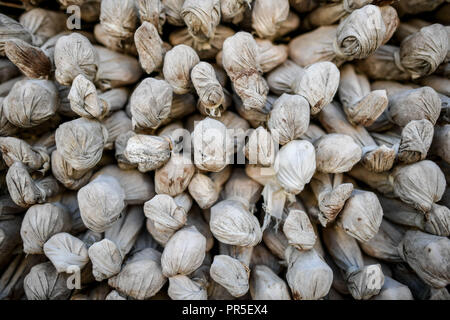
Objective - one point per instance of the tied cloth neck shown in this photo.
(243, 201)
(398, 62)
(275, 198)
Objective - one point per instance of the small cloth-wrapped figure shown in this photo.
(317, 83)
(184, 252)
(232, 221)
(308, 276)
(289, 118)
(30, 103)
(419, 55)
(268, 16)
(375, 158)
(86, 102)
(298, 230)
(26, 191)
(361, 105)
(336, 153)
(11, 29)
(295, 165)
(165, 215)
(80, 142)
(103, 200)
(363, 282)
(147, 152)
(240, 61)
(34, 63)
(43, 282)
(201, 18)
(149, 47)
(140, 279)
(119, 18)
(206, 188)
(208, 88)
(356, 37)
(150, 104)
(384, 244)
(34, 157)
(230, 273)
(40, 223)
(106, 259)
(213, 145)
(75, 55)
(362, 215)
(178, 64)
(428, 256)
(65, 251)
(419, 184)
(185, 288)
(412, 143)
(266, 285)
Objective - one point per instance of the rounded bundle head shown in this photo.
(419, 184)
(43, 282)
(184, 253)
(230, 273)
(139, 279)
(201, 18)
(362, 215)
(289, 118)
(295, 165)
(101, 203)
(336, 153)
(178, 64)
(308, 276)
(213, 145)
(80, 142)
(232, 223)
(184, 288)
(106, 259)
(422, 52)
(75, 55)
(150, 104)
(266, 285)
(65, 251)
(30, 103)
(40, 223)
